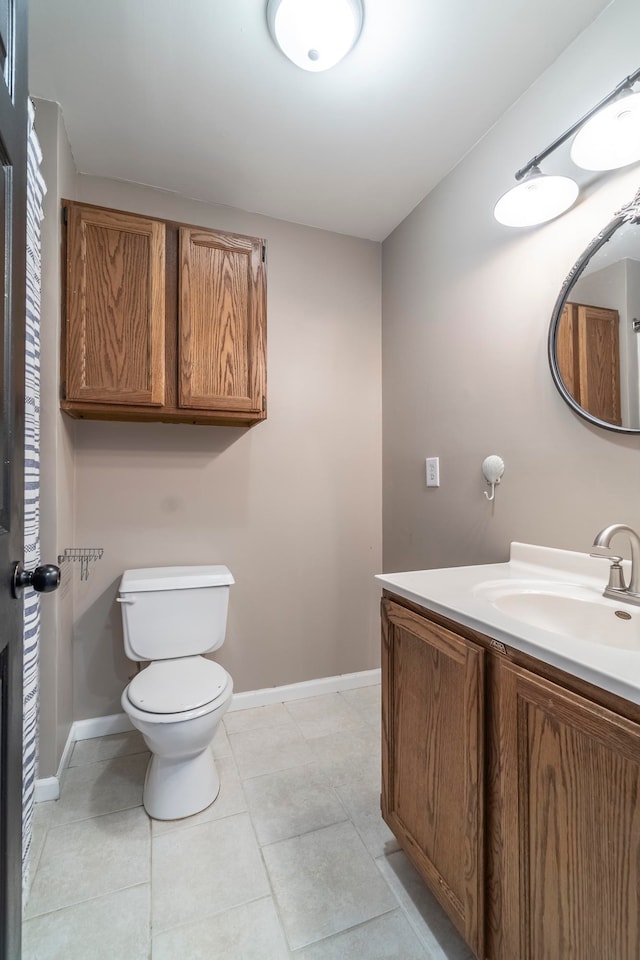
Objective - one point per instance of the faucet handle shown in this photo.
(602, 553)
(616, 573)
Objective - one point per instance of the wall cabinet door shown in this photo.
(432, 794)
(163, 321)
(115, 313)
(570, 786)
(220, 330)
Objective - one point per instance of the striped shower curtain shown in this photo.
(36, 190)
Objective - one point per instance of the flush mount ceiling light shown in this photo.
(538, 198)
(611, 139)
(608, 137)
(315, 34)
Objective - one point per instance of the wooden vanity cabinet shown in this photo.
(515, 790)
(433, 759)
(162, 320)
(569, 789)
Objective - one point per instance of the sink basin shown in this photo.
(569, 609)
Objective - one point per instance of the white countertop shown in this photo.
(450, 592)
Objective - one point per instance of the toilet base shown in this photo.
(178, 788)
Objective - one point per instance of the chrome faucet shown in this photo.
(616, 587)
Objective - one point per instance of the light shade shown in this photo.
(315, 34)
(538, 198)
(611, 138)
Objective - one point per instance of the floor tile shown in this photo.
(203, 870)
(272, 715)
(361, 800)
(248, 932)
(423, 912)
(264, 751)
(313, 800)
(291, 802)
(229, 801)
(42, 818)
(325, 882)
(93, 789)
(386, 938)
(220, 745)
(113, 926)
(348, 756)
(320, 716)
(91, 858)
(105, 748)
(364, 697)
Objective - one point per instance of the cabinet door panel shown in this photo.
(222, 322)
(433, 759)
(572, 770)
(115, 307)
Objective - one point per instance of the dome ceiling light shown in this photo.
(608, 137)
(315, 34)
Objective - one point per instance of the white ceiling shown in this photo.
(194, 97)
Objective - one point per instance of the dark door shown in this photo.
(13, 194)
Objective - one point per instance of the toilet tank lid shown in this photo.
(175, 578)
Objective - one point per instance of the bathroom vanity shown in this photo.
(511, 751)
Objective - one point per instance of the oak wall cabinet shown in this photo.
(514, 788)
(162, 320)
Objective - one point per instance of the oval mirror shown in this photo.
(594, 338)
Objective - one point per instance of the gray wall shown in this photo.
(292, 506)
(466, 309)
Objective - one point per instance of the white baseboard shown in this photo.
(306, 688)
(101, 726)
(46, 789)
(49, 788)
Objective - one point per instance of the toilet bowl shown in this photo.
(171, 615)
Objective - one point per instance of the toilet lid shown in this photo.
(175, 686)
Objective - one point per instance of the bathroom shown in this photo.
(429, 340)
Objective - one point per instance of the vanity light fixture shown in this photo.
(538, 198)
(611, 139)
(608, 137)
(315, 34)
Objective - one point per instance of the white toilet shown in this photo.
(172, 615)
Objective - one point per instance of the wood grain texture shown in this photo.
(221, 321)
(571, 771)
(567, 350)
(433, 740)
(209, 378)
(588, 352)
(562, 837)
(599, 362)
(115, 308)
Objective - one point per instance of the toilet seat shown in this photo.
(179, 686)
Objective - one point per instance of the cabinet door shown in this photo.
(570, 773)
(432, 768)
(222, 320)
(115, 313)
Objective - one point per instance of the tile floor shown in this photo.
(292, 861)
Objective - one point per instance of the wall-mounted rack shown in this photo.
(82, 555)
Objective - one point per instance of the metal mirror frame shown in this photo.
(627, 214)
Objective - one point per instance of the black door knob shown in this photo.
(43, 579)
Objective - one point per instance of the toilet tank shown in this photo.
(174, 611)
